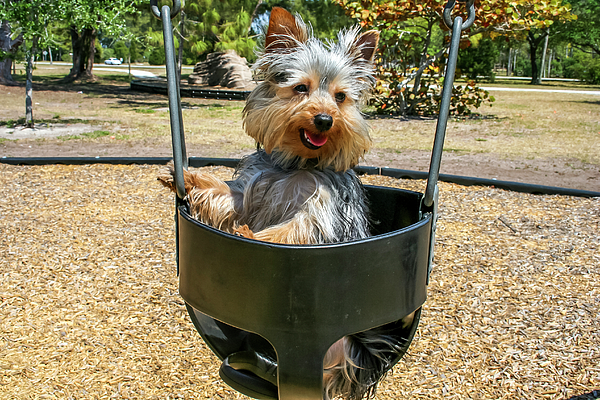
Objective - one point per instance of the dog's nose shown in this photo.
(323, 122)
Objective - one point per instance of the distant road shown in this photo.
(138, 73)
(507, 89)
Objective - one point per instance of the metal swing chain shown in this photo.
(430, 198)
(457, 27)
(180, 159)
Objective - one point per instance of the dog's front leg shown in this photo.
(210, 199)
(311, 224)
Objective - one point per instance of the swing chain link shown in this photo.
(174, 11)
(470, 4)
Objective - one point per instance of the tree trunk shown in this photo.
(534, 44)
(9, 46)
(180, 50)
(83, 46)
(544, 51)
(76, 45)
(29, 85)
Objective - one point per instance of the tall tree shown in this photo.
(86, 19)
(535, 37)
(32, 18)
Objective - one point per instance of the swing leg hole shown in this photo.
(249, 373)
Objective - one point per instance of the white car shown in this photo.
(112, 61)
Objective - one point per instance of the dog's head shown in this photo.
(308, 106)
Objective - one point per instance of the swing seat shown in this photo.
(255, 302)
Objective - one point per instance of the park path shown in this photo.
(507, 89)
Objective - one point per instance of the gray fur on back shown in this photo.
(268, 194)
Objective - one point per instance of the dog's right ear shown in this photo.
(285, 31)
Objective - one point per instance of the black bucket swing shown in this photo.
(254, 301)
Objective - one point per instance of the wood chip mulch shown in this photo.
(89, 307)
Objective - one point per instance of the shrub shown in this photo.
(108, 53)
(478, 59)
(157, 56)
(392, 98)
(584, 67)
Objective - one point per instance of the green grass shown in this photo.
(92, 135)
(10, 123)
(95, 134)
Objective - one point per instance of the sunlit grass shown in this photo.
(519, 124)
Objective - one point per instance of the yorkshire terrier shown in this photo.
(299, 186)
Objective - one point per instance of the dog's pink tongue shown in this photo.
(317, 140)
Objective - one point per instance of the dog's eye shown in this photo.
(301, 89)
(340, 97)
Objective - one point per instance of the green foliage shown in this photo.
(326, 17)
(522, 67)
(157, 57)
(412, 31)
(108, 53)
(213, 25)
(584, 67)
(121, 50)
(478, 59)
(584, 32)
(134, 51)
(219, 25)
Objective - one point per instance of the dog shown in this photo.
(299, 186)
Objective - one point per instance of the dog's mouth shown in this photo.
(311, 140)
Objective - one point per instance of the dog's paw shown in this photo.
(243, 231)
(166, 175)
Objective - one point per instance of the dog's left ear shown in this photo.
(366, 44)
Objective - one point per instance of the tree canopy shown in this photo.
(584, 32)
(413, 43)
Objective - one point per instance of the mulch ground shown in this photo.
(89, 307)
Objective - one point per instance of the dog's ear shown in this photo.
(284, 31)
(366, 44)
